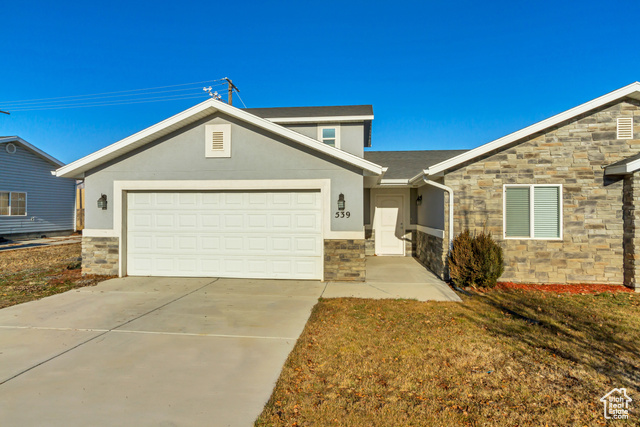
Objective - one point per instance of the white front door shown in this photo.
(253, 234)
(389, 225)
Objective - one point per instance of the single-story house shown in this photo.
(291, 193)
(559, 196)
(33, 202)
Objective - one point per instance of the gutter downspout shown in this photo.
(450, 191)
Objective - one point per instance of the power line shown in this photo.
(34, 104)
(238, 93)
(109, 104)
(123, 98)
(109, 93)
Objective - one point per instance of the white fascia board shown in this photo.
(623, 169)
(76, 169)
(210, 106)
(617, 170)
(394, 182)
(417, 177)
(327, 119)
(32, 148)
(633, 88)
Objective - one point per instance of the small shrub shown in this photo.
(475, 260)
(461, 259)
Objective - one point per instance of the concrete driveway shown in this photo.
(150, 351)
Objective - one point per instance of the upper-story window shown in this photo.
(330, 135)
(13, 203)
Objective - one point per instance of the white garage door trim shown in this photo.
(247, 234)
(121, 187)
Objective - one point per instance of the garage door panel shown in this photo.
(233, 243)
(210, 221)
(210, 244)
(225, 234)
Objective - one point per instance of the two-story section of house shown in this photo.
(225, 192)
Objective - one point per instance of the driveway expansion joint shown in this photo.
(24, 371)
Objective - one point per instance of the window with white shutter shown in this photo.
(217, 140)
(532, 211)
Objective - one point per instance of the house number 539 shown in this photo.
(346, 214)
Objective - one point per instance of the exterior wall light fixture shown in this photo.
(341, 202)
(102, 202)
(419, 200)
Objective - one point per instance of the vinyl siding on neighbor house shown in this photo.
(50, 200)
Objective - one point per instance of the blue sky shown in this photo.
(440, 75)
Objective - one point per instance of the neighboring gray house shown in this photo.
(291, 193)
(33, 202)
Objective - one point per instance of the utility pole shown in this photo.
(8, 113)
(231, 88)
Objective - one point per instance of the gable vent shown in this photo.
(625, 128)
(217, 140)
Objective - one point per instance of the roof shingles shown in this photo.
(407, 164)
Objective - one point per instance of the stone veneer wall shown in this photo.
(631, 241)
(100, 255)
(410, 243)
(344, 260)
(571, 154)
(430, 251)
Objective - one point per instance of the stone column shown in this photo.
(631, 233)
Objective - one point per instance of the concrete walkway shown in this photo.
(395, 278)
(143, 351)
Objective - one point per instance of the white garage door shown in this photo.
(225, 234)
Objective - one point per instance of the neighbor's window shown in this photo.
(533, 211)
(12, 203)
(329, 135)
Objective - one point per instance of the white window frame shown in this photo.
(531, 212)
(26, 201)
(337, 129)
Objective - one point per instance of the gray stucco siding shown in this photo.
(255, 155)
(50, 200)
(431, 212)
(351, 135)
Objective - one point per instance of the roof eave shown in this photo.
(632, 90)
(32, 148)
(623, 169)
(210, 106)
(324, 119)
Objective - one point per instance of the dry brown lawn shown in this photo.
(506, 358)
(34, 273)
